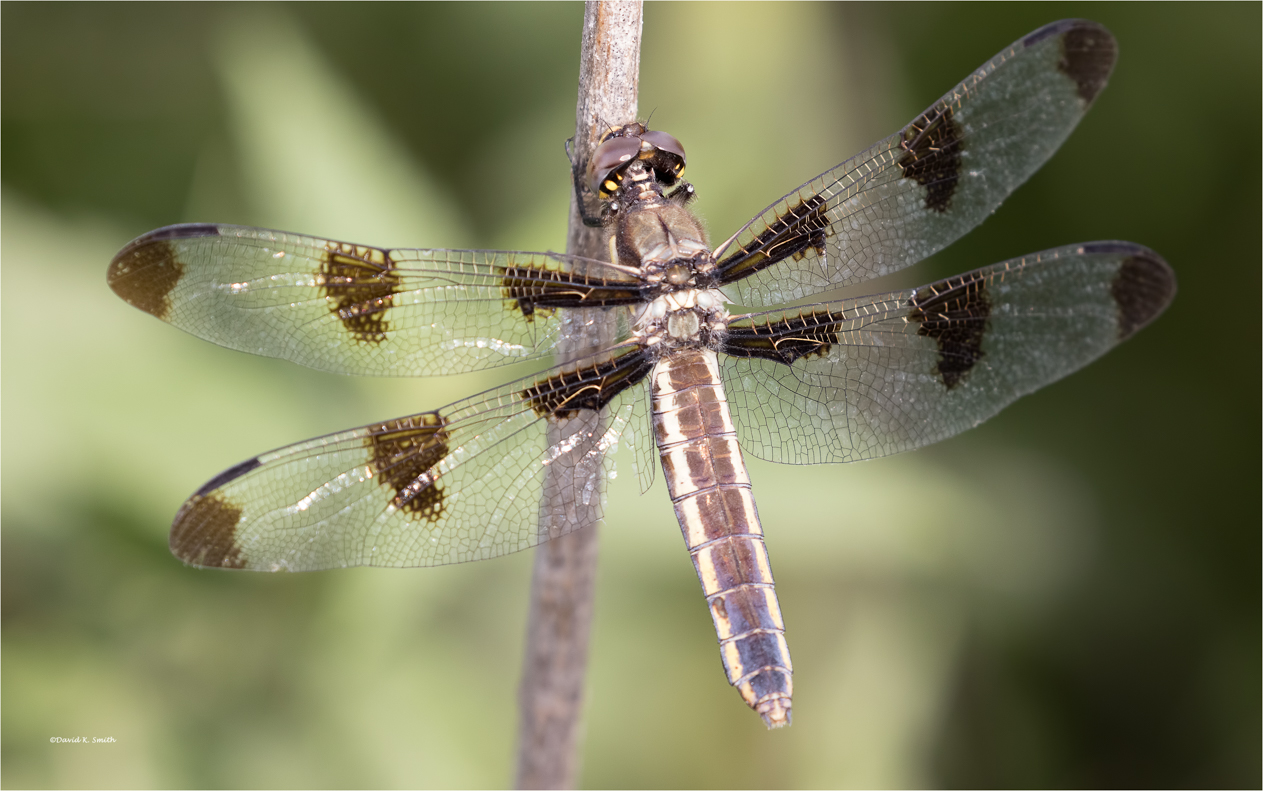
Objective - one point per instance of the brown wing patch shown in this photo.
(805, 335)
(1088, 53)
(563, 394)
(954, 313)
(360, 283)
(932, 146)
(205, 533)
(144, 273)
(1142, 289)
(404, 451)
(804, 227)
(542, 288)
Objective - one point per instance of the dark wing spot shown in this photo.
(1142, 289)
(804, 227)
(805, 335)
(530, 288)
(954, 313)
(1108, 248)
(932, 145)
(563, 394)
(191, 230)
(205, 533)
(360, 282)
(144, 273)
(230, 474)
(404, 451)
(1088, 52)
(1051, 29)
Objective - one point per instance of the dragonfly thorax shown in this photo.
(690, 318)
(667, 243)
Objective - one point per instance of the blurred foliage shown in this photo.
(1066, 596)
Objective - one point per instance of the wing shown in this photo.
(852, 380)
(482, 477)
(640, 440)
(928, 184)
(355, 309)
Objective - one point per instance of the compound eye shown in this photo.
(626, 130)
(667, 160)
(664, 142)
(609, 157)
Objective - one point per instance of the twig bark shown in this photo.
(555, 664)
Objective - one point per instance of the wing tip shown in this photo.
(1061, 27)
(146, 270)
(1088, 53)
(204, 533)
(1143, 288)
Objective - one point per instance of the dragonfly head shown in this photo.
(621, 146)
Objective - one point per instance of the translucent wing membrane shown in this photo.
(492, 474)
(640, 441)
(356, 309)
(925, 186)
(851, 380)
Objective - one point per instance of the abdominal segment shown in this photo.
(715, 506)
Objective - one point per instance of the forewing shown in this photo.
(925, 186)
(492, 474)
(857, 379)
(356, 309)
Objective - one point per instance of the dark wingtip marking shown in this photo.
(933, 144)
(1088, 54)
(1142, 289)
(145, 272)
(954, 313)
(404, 450)
(231, 474)
(205, 533)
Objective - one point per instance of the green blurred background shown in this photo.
(1066, 596)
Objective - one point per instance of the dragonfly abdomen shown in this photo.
(710, 489)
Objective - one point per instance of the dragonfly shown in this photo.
(713, 353)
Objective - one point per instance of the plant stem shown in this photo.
(555, 662)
